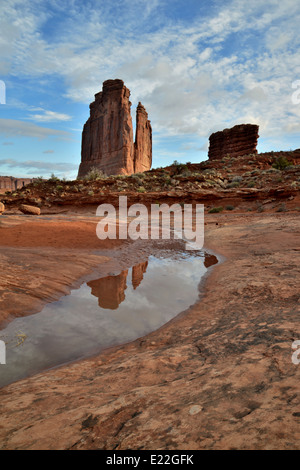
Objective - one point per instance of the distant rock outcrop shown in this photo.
(9, 183)
(237, 141)
(107, 137)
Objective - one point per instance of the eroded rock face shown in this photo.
(2, 208)
(237, 141)
(107, 138)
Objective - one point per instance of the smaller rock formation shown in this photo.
(2, 208)
(30, 210)
(238, 141)
(143, 141)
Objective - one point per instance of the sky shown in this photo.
(198, 66)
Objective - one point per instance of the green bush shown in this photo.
(281, 163)
(234, 184)
(215, 210)
(53, 178)
(94, 174)
(229, 208)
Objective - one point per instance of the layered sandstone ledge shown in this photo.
(235, 142)
(218, 377)
(107, 137)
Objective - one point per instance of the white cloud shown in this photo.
(15, 128)
(49, 116)
(36, 166)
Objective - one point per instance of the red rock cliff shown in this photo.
(237, 141)
(107, 138)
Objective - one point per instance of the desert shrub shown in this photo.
(251, 184)
(215, 210)
(237, 179)
(53, 178)
(281, 163)
(229, 208)
(141, 189)
(137, 179)
(38, 180)
(179, 168)
(234, 184)
(94, 174)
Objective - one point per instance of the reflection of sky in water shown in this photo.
(76, 326)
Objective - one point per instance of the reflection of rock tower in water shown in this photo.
(138, 272)
(110, 290)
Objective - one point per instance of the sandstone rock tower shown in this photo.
(237, 141)
(107, 137)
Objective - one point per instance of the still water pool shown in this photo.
(104, 312)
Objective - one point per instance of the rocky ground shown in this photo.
(219, 376)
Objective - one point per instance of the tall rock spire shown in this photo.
(107, 137)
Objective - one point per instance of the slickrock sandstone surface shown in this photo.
(9, 183)
(238, 141)
(2, 207)
(107, 138)
(218, 377)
